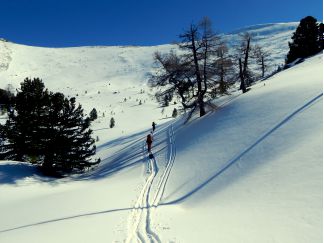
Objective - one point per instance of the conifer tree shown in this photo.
(305, 40)
(2, 141)
(47, 129)
(112, 122)
(23, 128)
(188, 73)
(93, 114)
(243, 55)
(223, 69)
(69, 144)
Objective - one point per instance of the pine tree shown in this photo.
(305, 40)
(93, 114)
(6, 98)
(47, 129)
(321, 36)
(23, 128)
(2, 141)
(112, 122)
(69, 145)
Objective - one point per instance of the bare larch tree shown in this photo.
(188, 72)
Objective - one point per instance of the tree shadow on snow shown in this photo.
(133, 153)
(66, 218)
(11, 173)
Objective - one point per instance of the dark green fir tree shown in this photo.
(305, 40)
(47, 129)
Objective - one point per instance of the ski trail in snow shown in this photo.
(153, 237)
(166, 173)
(139, 223)
(138, 228)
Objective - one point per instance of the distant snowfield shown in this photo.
(250, 171)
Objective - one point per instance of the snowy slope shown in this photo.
(102, 77)
(273, 38)
(250, 171)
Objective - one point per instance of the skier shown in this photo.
(153, 126)
(149, 141)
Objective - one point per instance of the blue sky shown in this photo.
(60, 23)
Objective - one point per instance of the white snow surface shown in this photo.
(249, 171)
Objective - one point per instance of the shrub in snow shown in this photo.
(174, 113)
(166, 100)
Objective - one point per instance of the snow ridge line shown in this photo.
(166, 173)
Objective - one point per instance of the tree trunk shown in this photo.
(263, 67)
(201, 103)
(198, 77)
(246, 59)
(242, 86)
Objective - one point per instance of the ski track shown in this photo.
(139, 222)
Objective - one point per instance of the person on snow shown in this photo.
(149, 141)
(153, 126)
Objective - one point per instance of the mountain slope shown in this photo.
(253, 169)
(250, 171)
(103, 77)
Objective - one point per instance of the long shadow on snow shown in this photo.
(244, 152)
(131, 155)
(124, 140)
(73, 217)
(10, 173)
(67, 218)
